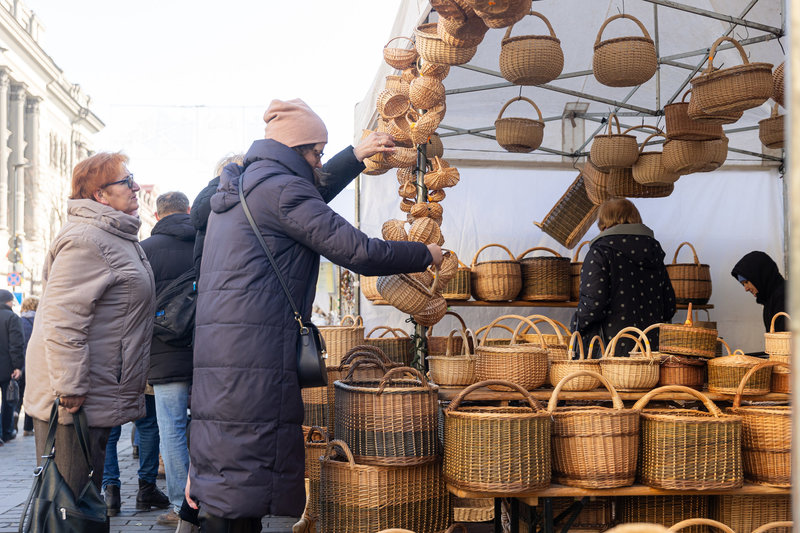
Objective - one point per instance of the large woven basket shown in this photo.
(571, 216)
(531, 59)
(390, 421)
(614, 150)
(394, 342)
(459, 286)
(557, 342)
(497, 449)
(663, 510)
(498, 280)
(594, 447)
(747, 513)
(362, 498)
(433, 49)
(725, 374)
(519, 134)
(770, 130)
(544, 278)
(687, 157)
(560, 369)
(691, 281)
(649, 169)
(315, 406)
(778, 84)
(680, 126)
(404, 292)
(778, 342)
(453, 369)
(315, 449)
(575, 274)
(630, 373)
(523, 364)
(596, 182)
(622, 184)
(766, 436)
(679, 445)
(339, 339)
(624, 61)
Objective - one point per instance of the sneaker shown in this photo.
(169, 518)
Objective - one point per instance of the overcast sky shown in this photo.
(182, 83)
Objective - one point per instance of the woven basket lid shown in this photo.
(737, 359)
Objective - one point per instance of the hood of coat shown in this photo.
(759, 269)
(265, 159)
(635, 242)
(178, 225)
(107, 218)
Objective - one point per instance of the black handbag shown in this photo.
(311, 353)
(11, 394)
(52, 505)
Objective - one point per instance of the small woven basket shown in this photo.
(747, 513)
(394, 342)
(624, 61)
(496, 281)
(679, 445)
(433, 49)
(725, 374)
(544, 278)
(560, 369)
(462, 28)
(778, 85)
(437, 345)
(679, 370)
(404, 292)
(339, 339)
(459, 287)
(614, 150)
(516, 134)
(392, 104)
(500, 14)
(531, 59)
(770, 130)
(451, 369)
(441, 175)
(778, 342)
(680, 126)
(630, 373)
(399, 58)
(571, 216)
(649, 169)
(524, 364)
(691, 281)
(623, 185)
(575, 274)
(369, 288)
(315, 449)
(426, 92)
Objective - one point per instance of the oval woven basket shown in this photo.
(339, 339)
(459, 286)
(649, 168)
(560, 369)
(544, 278)
(516, 134)
(719, 153)
(697, 114)
(688, 339)
(630, 373)
(679, 370)
(453, 369)
(464, 30)
(433, 49)
(725, 374)
(681, 127)
(596, 183)
(524, 364)
(624, 61)
(394, 342)
(496, 281)
(613, 150)
(771, 130)
(778, 342)
(392, 104)
(778, 85)
(399, 58)
(685, 157)
(531, 59)
(575, 273)
(691, 281)
(426, 92)
(404, 292)
(623, 185)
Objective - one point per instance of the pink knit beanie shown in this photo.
(293, 123)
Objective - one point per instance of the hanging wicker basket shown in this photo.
(770, 130)
(559, 370)
(680, 126)
(623, 185)
(394, 342)
(498, 280)
(624, 61)
(453, 369)
(723, 117)
(516, 134)
(544, 278)
(778, 342)
(524, 364)
(500, 13)
(394, 230)
(404, 292)
(571, 216)
(339, 339)
(596, 183)
(433, 49)
(685, 157)
(691, 281)
(391, 104)
(575, 273)
(649, 169)
(778, 85)
(463, 28)
(531, 59)
(426, 92)
(369, 288)
(459, 286)
(441, 175)
(399, 58)
(432, 313)
(719, 153)
(614, 150)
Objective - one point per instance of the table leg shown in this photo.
(498, 515)
(572, 513)
(514, 515)
(548, 516)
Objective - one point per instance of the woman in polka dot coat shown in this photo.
(623, 280)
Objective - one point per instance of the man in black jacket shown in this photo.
(170, 252)
(12, 359)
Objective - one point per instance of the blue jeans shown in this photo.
(172, 402)
(147, 429)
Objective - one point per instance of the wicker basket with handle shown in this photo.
(437, 345)
(649, 169)
(703, 522)
(688, 339)
(571, 216)
(399, 58)
(518, 134)
(369, 287)
(524, 364)
(459, 287)
(531, 59)
(426, 92)
(315, 443)
(614, 150)
(679, 370)
(778, 342)
(778, 84)
(680, 126)
(746, 513)
(622, 184)
(630, 373)
(497, 280)
(691, 281)
(458, 24)
(770, 130)
(497, 449)
(575, 273)
(544, 278)
(725, 374)
(678, 445)
(596, 182)
(433, 49)
(686, 157)
(624, 61)
(557, 343)
(494, 341)
(453, 369)
(394, 342)
(560, 369)
(404, 292)
(502, 13)
(432, 313)
(786, 525)
(339, 339)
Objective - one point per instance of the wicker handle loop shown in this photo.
(615, 397)
(364, 359)
(451, 313)
(701, 522)
(599, 343)
(475, 259)
(713, 51)
(536, 248)
(737, 400)
(402, 370)
(534, 14)
(361, 348)
(457, 525)
(486, 328)
(650, 328)
(694, 253)
(643, 127)
(774, 111)
(772, 323)
(401, 333)
(620, 16)
(409, 39)
(641, 148)
(383, 329)
(635, 339)
(555, 324)
(773, 525)
(357, 321)
(535, 405)
(516, 334)
(571, 349)
(517, 99)
(725, 344)
(578, 250)
(683, 100)
(609, 353)
(318, 430)
(644, 400)
(464, 348)
(342, 445)
(610, 130)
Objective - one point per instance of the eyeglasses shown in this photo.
(317, 155)
(127, 180)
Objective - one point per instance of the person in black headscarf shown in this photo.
(759, 275)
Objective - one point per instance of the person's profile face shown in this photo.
(749, 287)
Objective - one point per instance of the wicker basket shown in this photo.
(523, 364)
(451, 369)
(575, 274)
(437, 345)
(614, 150)
(531, 59)
(725, 374)
(560, 369)
(630, 373)
(678, 445)
(473, 509)
(432, 313)
(594, 447)
(624, 61)
(369, 288)
(572, 216)
(496, 281)
(770, 130)
(339, 339)
(544, 278)
(315, 449)
(719, 153)
(649, 169)
(396, 84)
(786, 526)
(441, 175)
(516, 134)
(497, 449)
(404, 292)
(664, 510)
(687, 157)
(746, 513)
(557, 343)
(399, 58)
(679, 370)
(459, 287)
(495, 341)
(778, 85)
(702, 522)
(500, 14)
(458, 24)
(433, 49)
(622, 184)
(365, 498)
(691, 281)
(315, 406)
(426, 92)
(394, 342)
(778, 342)
(392, 104)
(680, 126)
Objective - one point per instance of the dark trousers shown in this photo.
(214, 524)
(28, 424)
(69, 457)
(6, 411)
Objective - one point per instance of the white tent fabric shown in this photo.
(724, 214)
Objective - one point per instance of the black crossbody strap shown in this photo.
(297, 316)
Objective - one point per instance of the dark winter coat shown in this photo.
(12, 355)
(247, 446)
(170, 250)
(201, 209)
(26, 319)
(623, 283)
(759, 269)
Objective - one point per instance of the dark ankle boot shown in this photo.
(214, 524)
(113, 502)
(150, 496)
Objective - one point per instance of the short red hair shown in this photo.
(93, 172)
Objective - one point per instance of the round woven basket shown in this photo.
(614, 150)
(432, 313)
(396, 84)
(770, 130)
(394, 342)
(630, 373)
(339, 339)
(697, 114)
(531, 59)
(691, 281)
(496, 281)
(502, 13)
(520, 135)
(426, 92)
(544, 278)
(524, 364)
(464, 30)
(399, 58)
(575, 273)
(453, 369)
(624, 61)
(433, 49)
(560, 369)
(623, 185)
(404, 292)
(719, 153)
(682, 127)
(725, 374)
(685, 157)
(392, 104)
(649, 169)
(778, 85)
(441, 175)
(778, 342)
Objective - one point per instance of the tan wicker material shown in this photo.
(466, 33)
(436, 196)
(339, 339)
(686, 157)
(683, 449)
(622, 184)
(517, 134)
(390, 421)
(649, 169)
(406, 205)
(681, 127)
(426, 92)
(778, 84)
(432, 313)
(614, 150)
(400, 130)
(394, 342)
(692, 522)
(404, 292)
(424, 127)
(438, 345)
(316, 442)
(501, 14)
(433, 49)
(394, 230)
(402, 156)
(596, 182)
(497, 449)
(435, 147)
(369, 287)
(691, 281)
(725, 373)
(399, 58)
(441, 175)
(594, 447)
(575, 273)
(361, 498)
(663, 510)
(315, 406)
(770, 130)
(473, 509)
(433, 70)
(524, 364)
(680, 370)
(426, 209)
(396, 84)
(424, 230)
(544, 278)
(391, 104)
(374, 169)
(495, 341)
(781, 381)
(624, 61)
(531, 59)
(497, 280)
(571, 216)
(630, 373)
(557, 343)
(697, 114)
(563, 368)
(786, 526)
(778, 342)
(459, 287)
(735, 88)
(746, 513)
(453, 369)
(596, 515)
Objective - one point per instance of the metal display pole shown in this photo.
(421, 344)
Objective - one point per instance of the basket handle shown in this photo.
(383, 329)
(486, 327)
(342, 445)
(615, 398)
(683, 100)
(503, 110)
(365, 357)
(609, 353)
(401, 333)
(465, 347)
(772, 525)
(515, 332)
(553, 323)
(578, 250)
(535, 14)
(357, 321)
(725, 344)
(571, 349)
(641, 148)
(681, 245)
(610, 130)
(712, 408)
(774, 113)
(620, 16)
(401, 370)
(737, 400)
(701, 522)
(457, 525)
(451, 313)
(643, 126)
(475, 259)
(713, 51)
(361, 348)
(635, 339)
(361, 362)
(772, 323)
(738, 351)
(409, 39)
(535, 405)
(600, 343)
(536, 248)
(316, 429)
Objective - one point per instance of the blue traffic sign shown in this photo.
(14, 279)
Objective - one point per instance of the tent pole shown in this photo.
(421, 345)
(738, 21)
(656, 41)
(793, 132)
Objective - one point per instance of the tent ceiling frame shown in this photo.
(738, 21)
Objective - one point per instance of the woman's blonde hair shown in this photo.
(617, 211)
(29, 304)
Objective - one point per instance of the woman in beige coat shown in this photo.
(90, 344)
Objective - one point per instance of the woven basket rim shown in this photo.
(342, 462)
(361, 386)
(735, 361)
(609, 135)
(508, 40)
(594, 409)
(521, 120)
(469, 411)
(678, 361)
(614, 40)
(495, 261)
(747, 410)
(736, 70)
(452, 357)
(545, 258)
(693, 328)
(687, 264)
(529, 347)
(686, 416)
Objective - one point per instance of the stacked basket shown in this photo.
(778, 344)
